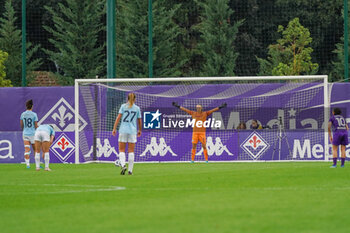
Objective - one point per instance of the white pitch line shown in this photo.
(168, 189)
(82, 191)
(92, 188)
(246, 189)
(293, 188)
(243, 189)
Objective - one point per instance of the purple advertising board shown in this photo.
(55, 105)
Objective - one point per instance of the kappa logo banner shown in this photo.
(255, 145)
(62, 116)
(103, 149)
(215, 147)
(154, 148)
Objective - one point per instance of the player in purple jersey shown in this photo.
(339, 137)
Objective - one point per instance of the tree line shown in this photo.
(190, 38)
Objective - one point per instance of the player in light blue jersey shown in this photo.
(29, 122)
(44, 136)
(130, 128)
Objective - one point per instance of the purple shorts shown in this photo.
(340, 138)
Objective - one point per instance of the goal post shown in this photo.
(98, 100)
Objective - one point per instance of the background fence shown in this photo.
(190, 38)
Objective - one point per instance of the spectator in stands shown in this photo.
(241, 126)
(255, 124)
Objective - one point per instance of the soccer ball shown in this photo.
(117, 163)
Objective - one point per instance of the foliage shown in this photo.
(261, 18)
(291, 55)
(3, 81)
(252, 37)
(323, 19)
(11, 42)
(217, 39)
(132, 40)
(74, 36)
(337, 71)
(167, 62)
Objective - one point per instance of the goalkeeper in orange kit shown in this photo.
(199, 132)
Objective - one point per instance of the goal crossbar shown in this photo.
(194, 79)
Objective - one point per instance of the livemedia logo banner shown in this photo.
(166, 119)
(228, 119)
(152, 119)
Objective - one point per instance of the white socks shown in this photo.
(122, 158)
(27, 161)
(37, 160)
(47, 159)
(131, 161)
(26, 153)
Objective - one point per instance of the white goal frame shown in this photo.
(324, 78)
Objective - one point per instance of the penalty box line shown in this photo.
(89, 188)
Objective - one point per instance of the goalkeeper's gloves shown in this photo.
(176, 105)
(223, 105)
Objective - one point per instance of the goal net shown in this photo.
(291, 114)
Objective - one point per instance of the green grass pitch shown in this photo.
(215, 197)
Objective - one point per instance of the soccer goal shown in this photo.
(267, 118)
